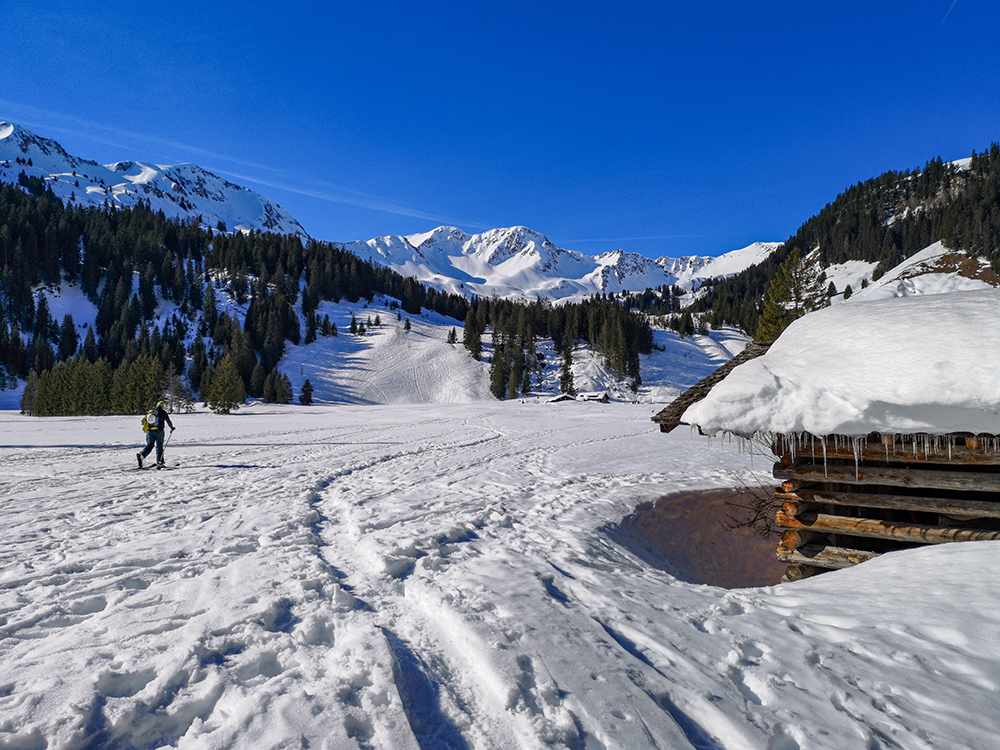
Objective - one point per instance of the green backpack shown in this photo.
(149, 422)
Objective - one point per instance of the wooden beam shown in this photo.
(795, 538)
(803, 500)
(824, 556)
(939, 480)
(969, 451)
(798, 572)
(874, 529)
(793, 505)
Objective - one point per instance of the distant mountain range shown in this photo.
(515, 263)
(185, 191)
(521, 263)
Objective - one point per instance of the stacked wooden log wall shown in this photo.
(844, 501)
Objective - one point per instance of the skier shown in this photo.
(153, 424)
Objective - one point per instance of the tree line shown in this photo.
(607, 326)
(132, 263)
(883, 220)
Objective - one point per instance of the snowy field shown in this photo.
(445, 576)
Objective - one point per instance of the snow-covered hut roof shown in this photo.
(670, 417)
(924, 364)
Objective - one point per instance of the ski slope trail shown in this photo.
(439, 576)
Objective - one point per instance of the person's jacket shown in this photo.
(161, 417)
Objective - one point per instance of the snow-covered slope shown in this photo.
(521, 263)
(934, 270)
(389, 365)
(186, 190)
(460, 576)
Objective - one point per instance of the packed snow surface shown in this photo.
(448, 576)
(928, 363)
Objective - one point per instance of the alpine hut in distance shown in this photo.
(883, 418)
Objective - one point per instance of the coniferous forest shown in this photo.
(883, 220)
(125, 361)
(128, 261)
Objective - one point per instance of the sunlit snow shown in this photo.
(446, 576)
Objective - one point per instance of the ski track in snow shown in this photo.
(423, 577)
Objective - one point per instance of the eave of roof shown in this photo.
(670, 417)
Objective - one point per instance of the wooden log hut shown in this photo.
(842, 499)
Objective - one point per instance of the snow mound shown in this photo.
(928, 363)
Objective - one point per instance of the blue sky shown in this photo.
(660, 128)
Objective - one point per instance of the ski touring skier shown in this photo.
(153, 424)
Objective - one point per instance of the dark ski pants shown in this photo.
(154, 437)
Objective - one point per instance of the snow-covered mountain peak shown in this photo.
(518, 262)
(439, 235)
(185, 191)
(17, 142)
(497, 246)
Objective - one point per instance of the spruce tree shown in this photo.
(516, 370)
(685, 326)
(269, 393)
(472, 336)
(90, 345)
(206, 383)
(199, 363)
(30, 395)
(306, 396)
(257, 380)
(312, 325)
(283, 393)
(226, 389)
(499, 367)
(68, 338)
(795, 290)
(566, 377)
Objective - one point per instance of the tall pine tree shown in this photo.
(796, 289)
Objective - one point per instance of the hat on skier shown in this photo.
(161, 405)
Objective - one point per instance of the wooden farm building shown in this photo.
(879, 445)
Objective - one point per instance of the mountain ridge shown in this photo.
(186, 191)
(514, 262)
(518, 262)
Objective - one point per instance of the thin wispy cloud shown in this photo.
(950, 8)
(345, 196)
(640, 239)
(279, 179)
